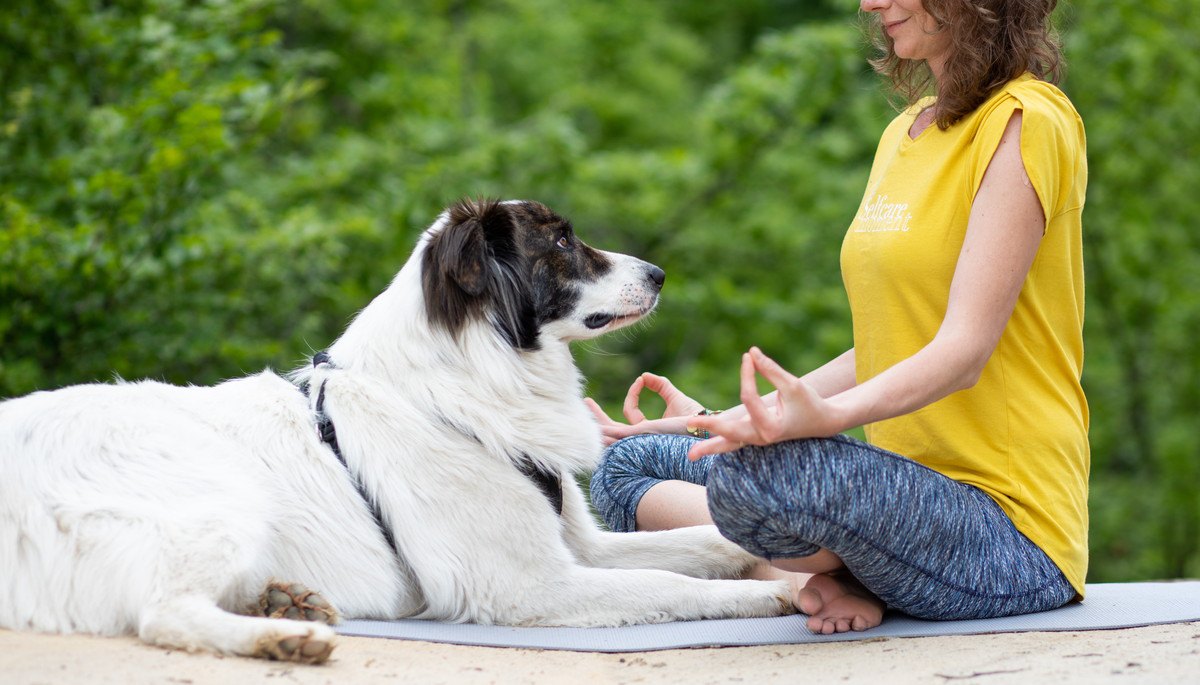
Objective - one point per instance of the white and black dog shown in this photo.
(421, 467)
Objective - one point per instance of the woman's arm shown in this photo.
(835, 377)
(1003, 234)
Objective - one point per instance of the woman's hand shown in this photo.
(799, 412)
(679, 408)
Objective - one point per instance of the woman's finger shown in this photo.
(672, 424)
(661, 385)
(617, 431)
(717, 445)
(678, 403)
(770, 369)
(738, 430)
(655, 382)
(811, 415)
(597, 412)
(763, 419)
(630, 409)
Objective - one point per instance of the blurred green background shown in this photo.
(192, 191)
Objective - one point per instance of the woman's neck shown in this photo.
(937, 66)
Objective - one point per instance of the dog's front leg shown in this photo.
(698, 551)
(517, 570)
(596, 597)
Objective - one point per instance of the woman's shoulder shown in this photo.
(1053, 142)
(1038, 100)
(1047, 114)
(1041, 97)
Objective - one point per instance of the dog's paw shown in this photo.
(751, 599)
(312, 645)
(785, 597)
(294, 601)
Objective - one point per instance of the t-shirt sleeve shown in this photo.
(1052, 144)
(1053, 147)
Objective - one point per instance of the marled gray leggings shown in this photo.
(925, 544)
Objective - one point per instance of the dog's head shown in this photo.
(520, 267)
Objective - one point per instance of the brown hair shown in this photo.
(991, 43)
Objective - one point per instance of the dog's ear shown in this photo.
(459, 253)
(472, 264)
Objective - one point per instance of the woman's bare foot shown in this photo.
(837, 603)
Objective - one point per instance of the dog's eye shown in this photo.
(564, 242)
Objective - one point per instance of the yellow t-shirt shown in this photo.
(1020, 434)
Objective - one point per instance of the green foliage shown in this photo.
(193, 190)
(1133, 72)
(126, 244)
(750, 227)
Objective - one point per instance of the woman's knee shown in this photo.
(737, 504)
(662, 457)
(630, 467)
(749, 507)
(631, 455)
(798, 474)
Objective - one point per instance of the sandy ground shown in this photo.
(1161, 655)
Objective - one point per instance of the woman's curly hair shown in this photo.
(992, 42)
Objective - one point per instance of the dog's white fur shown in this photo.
(166, 510)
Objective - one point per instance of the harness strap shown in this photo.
(547, 481)
(328, 435)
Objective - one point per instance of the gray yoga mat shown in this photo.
(1114, 605)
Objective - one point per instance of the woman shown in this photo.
(964, 272)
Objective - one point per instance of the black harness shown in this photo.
(328, 435)
(548, 482)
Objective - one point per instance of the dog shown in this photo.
(420, 467)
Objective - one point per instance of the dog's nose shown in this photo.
(657, 276)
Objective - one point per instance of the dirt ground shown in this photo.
(1158, 655)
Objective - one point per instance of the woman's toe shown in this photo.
(809, 601)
